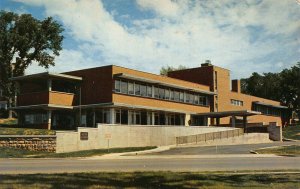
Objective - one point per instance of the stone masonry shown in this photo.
(30, 142)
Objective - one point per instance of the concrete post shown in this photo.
(187, 119)
(49, 115)
(233, 121)
(112, 116)
(153, 118)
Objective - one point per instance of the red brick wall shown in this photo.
(97, 84)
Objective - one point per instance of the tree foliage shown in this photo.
(165, 70)
(283, 86)
(24, 40)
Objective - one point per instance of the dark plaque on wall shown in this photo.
(84, 136)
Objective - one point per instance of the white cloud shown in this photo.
(182, 32)
(162, 7)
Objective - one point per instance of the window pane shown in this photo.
(117, 85)
(181, 96)
(137, 89)
(196, 99)
(156, 95)
(192, 98)
(149, 91)
(161, 93)
(124, 87)
(171, 95)
(130, 88)
(176, 96)
(167, 94)
(187, 97)
(143, 90)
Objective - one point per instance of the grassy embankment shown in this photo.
(18, 153)
(208, 180)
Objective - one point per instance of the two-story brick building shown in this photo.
(117, 95)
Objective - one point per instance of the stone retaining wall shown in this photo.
(45, 143)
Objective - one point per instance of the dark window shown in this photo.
(161, 93)
(130, 88)
(156, 94)
(143, 90)
(171, 95)
(137, 89)
(176, 96)
(167, 94)
(187, 97)
(181, 97)
(149, 91)
(124, 87)
(117, 86)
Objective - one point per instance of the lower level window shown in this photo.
(35, 118)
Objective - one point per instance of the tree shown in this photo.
(24, 40)
(283, 86)
(165, 70)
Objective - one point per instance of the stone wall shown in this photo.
(45, 143)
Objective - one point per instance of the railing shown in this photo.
(209, 136)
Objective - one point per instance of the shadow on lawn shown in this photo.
(147, 180)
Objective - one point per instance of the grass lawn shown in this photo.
(281, 150)
(292, 132)
(220, 180)
(18, 153)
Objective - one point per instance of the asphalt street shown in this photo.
(25, 166)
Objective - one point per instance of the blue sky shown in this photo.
(244, 36)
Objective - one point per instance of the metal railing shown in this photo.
(195, 139)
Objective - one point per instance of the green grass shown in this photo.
(18, 153)
(24, 131)
(10, 121)
(165, 180)
(292, 132)
(281, 150)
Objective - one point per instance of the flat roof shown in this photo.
(47, 75)
(270, 105)
(42, 106)
(230, 113)
(110, 104)
(147, 80)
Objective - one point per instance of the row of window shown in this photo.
(36, 118)
(267, 110)
(236, 102)
(133, 88)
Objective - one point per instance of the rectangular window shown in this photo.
(143, 90)
(176, 96)
(187, 97)
(167, 94)
(161, 93)
(192, 98)
(171, 95)
(130, 88)
(124, 87)
(181, 97)
(117, 86)
(236, 102)
(137, 89)
(156, 93)
(196, 99)
(149, 91)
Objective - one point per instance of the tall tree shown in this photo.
(165, 70)
(24, 40)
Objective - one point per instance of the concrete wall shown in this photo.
(275, 132)
(43, 143)
(118, 136)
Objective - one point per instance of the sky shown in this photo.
(243, 36)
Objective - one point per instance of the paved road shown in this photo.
(226, 149)
(138, 163)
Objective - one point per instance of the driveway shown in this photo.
(226, 149)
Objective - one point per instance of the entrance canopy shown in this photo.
(229, 113)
